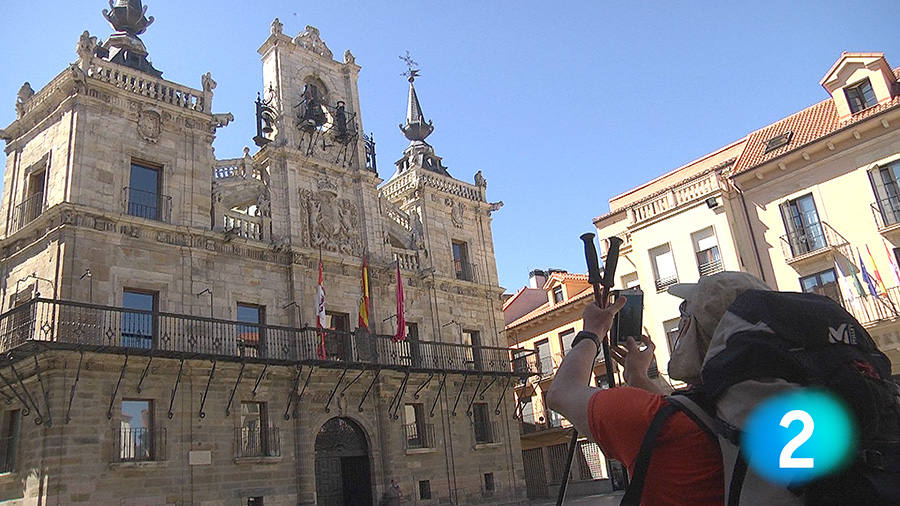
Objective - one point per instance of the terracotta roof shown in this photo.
(807, 126)
(547, 308)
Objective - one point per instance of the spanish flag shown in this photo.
(364, 299)
(877, 274)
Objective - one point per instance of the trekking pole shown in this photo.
(601, 285)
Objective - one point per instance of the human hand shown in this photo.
(599, 320)
(635, 361)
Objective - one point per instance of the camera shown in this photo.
(628, 321)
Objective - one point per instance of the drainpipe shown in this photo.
(762, 274)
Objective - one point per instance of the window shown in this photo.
(778, 141)
(860, 96)
(249, 336)
(461, 263)
(528, 410)
(143, 192)
(337, 343)
(671, 329)
(9, 439)
(255, 437)
(138, 325)
(255, 501)
(412, 344)
(663, 267)
(887, 192)
(706, 247)
(424, 489)
(472, 340)
(565, 340)
(542, 348)
(804, 230)
(481, 423)
(417, 432)
(823, 283)
(558, 294)
(337, 321)
(489, 483)
(631, 280)
(136, 437)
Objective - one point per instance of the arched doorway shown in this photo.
(342, 465)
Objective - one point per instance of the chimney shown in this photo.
(537, 278)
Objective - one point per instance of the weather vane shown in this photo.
(412, 71)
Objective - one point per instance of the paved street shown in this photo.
(610, 499)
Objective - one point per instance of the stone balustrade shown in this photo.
(685, 193)
(408, 259)
(244, 225)
(411, 180)
(395, 214)
(145, 85)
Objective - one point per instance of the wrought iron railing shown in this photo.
(419, 435)
(464, 270)
(710, 268)
(27, 211)
(886, 212)
(871, 309)
(8, 453)
(139, 444)
(117, 329)
(150, 205)
(485, 432)
(663, 283)
(811, 239)
(257, 442)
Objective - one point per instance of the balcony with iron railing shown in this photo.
(8, 453)
(257, 442)
(811, 242)
(663, 283)
(886, 213)
(465, 271)
(139, 444)
(90, 327)
(27, 211)
(870, 309)
(419, 435)
(485, 432)
(711, 267)
(149, 205)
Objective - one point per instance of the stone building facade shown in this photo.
(159, 304)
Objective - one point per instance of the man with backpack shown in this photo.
(738, 344)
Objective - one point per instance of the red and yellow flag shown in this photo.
(364, 299)
(401, 311)
(875, 266)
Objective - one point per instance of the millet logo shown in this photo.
(844, 334)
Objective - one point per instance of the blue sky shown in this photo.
(561, 105)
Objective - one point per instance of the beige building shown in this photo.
(545, 316)
(799, 203)
(159, 305)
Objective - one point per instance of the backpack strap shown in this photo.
(695, 412)
(635, 489)
(738, 473)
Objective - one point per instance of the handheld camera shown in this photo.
(628, 321)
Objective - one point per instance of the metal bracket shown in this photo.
(205, 392)
(463, 387)
(72, 393)
(366, 394)
(293, 393)
(352, 382)
(423, 385)
(437, 395)
(175, 391)
(517, 414)
(26, 409)
(6, 398)
(398, 397)
(116, 391)
(481, 395)
(39, 419)
(334, 390)
(37, 368)
(263, 373)
(502, 396)
(233, 390)
(144, 374)
(474, 395)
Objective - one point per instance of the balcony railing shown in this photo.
(871, 309)
(419, 435)
(139, 444)
(485, 432)
(112, 329)
(8, 453)
(710, 268)
(812, 239)
(27, 211)
(149, 205)
(663, 283)
(886, 212)
(464, 270)
(257, 442)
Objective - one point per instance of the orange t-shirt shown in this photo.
(686, 465)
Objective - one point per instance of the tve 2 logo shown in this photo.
(799, 436)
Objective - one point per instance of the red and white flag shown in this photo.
(320, 315)
(401, 313)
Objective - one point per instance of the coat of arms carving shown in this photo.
(149, 124)
(332, 222)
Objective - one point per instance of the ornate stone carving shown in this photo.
(128, 16)
(311, 41)
(87, 46)
(209, 84)
(480, 181)
(150, 124)
(457, 210)
(348, 57)
(333, 223)
(417, 231)
(24, 95)
(277, 27)
(221, 120)
(494, 207)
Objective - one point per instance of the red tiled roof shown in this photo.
(808, 125)
(547, 308)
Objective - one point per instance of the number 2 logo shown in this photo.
(787, 459)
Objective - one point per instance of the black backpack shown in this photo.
(771, 342)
